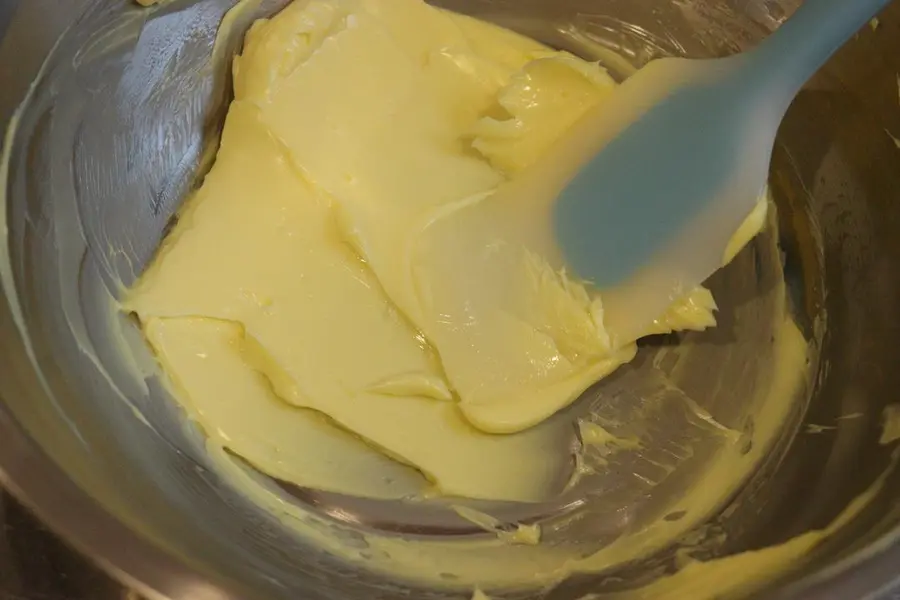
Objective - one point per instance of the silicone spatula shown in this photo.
(680, 157)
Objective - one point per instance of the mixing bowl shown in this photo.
(776, 423)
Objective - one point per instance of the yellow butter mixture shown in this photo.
(354, 298)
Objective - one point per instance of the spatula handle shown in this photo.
(796, 50)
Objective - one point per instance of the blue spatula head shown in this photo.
(681, 157)
(633, 199)
(649, 216)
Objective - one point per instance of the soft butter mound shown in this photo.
(346, 127)
(357, 248)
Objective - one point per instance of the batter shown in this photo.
(356, 260)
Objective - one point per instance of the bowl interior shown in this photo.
(752, 432)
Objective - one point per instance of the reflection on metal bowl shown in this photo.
(755, 432)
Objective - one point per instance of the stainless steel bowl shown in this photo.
(113, 134)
